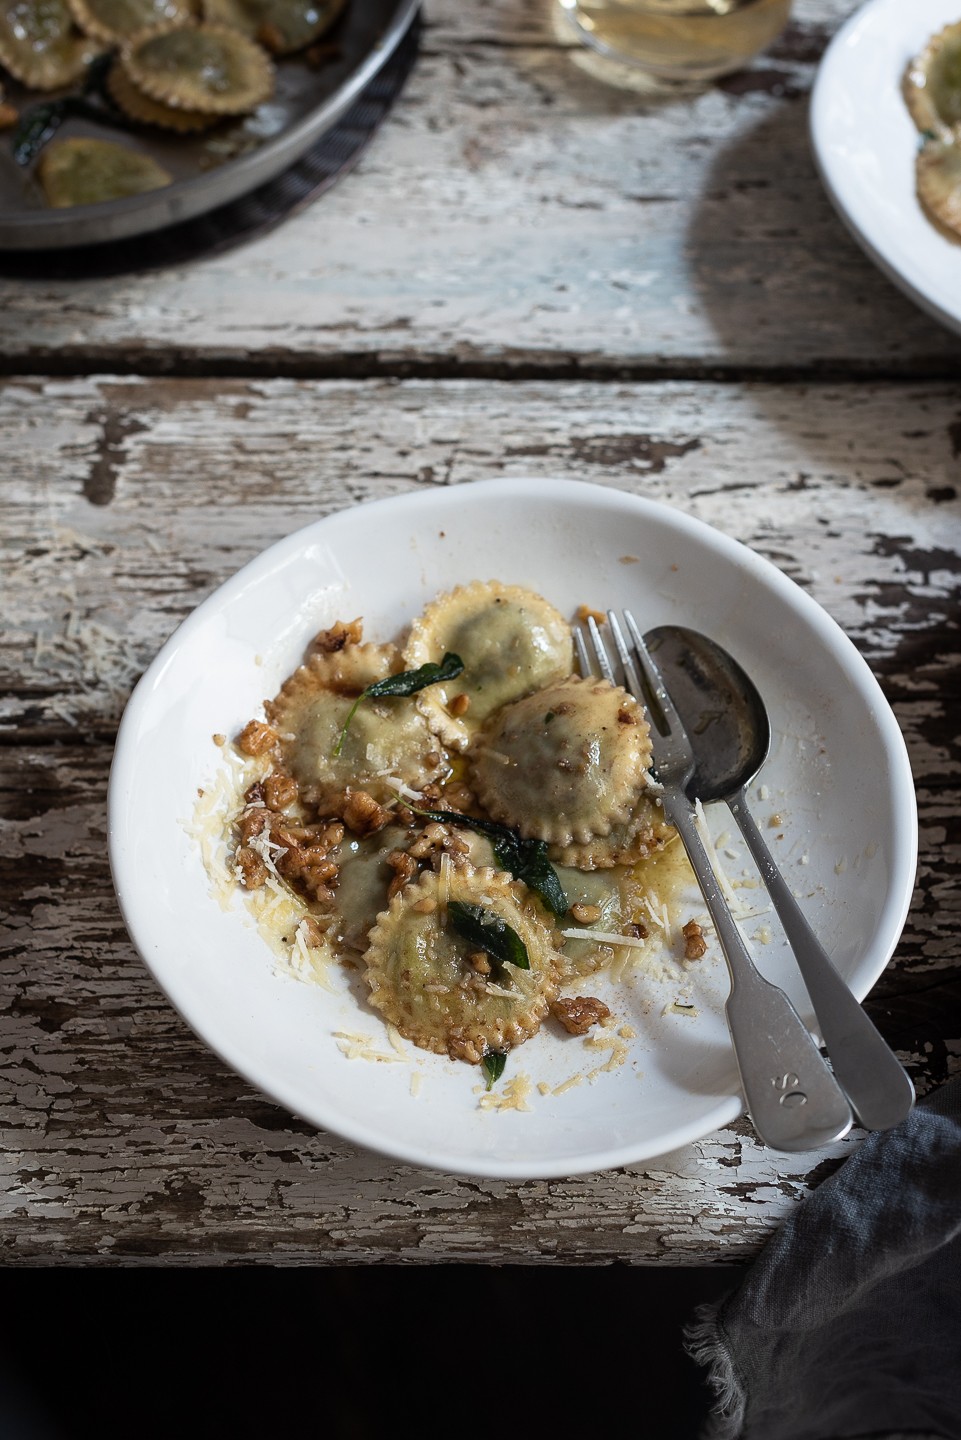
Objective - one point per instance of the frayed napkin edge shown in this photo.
(704, 1342)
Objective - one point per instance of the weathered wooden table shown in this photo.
(531, 273)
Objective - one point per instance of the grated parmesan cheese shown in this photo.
(605, 937)
(514, 1095)
(361, 1047)
(404, 791)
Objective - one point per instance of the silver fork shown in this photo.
(793, 1100)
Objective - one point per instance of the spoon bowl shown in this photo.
(720, 707)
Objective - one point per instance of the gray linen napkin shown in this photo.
(849, 1322)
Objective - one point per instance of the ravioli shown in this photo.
(83, 171)
(938, 175)
(39, 44)
(284, 26)
(113, 21)
(434, 985)
(932, 92)
(209, 68)
(564, 764)
(142, 108)
(511, 640)
(386, 741)
(932, 84)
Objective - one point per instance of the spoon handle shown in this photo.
(794, 1101)
(871, 1075)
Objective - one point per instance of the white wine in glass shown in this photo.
(679, 39)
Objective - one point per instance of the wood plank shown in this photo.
(125, 1141)
(517, 216)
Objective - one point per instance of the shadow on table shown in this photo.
(778, 276)
(253, 1351)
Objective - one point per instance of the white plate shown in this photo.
(865, 144)
(838, 776)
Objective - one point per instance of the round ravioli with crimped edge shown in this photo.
(209, 68)
(83, 171)
(140, 107)
(511, 641)
(284, 26)
(565, 764)
(642, 835)
(40, 45)
(438, 989)
(938, 176)
(932, 83)
(387, 739)
(114, 21)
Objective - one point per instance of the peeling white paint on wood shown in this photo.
(125, 502)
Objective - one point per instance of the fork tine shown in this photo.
(654, 678)
(600, 650)
(583, 654)
(631, 677)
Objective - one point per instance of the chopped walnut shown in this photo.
(404, 868)
(339, 635)
(479, 962)
(280, 790)
(251, 822)
(578, 1013)
(461, 1046)
(694, 943)
(310, 865)
(437, 840)
(626, 717)
(312, 933)
(459, 797)
(362, 814)
(586, 914)
(256, 738)
(253, 871)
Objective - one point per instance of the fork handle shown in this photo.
(873, 1077)
(793, 1099)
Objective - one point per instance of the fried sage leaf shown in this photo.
(494, 1062)
(489, 933)
(526, 860)
(408, 682)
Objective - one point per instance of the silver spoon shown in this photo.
(730, 732)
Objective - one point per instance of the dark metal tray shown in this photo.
(305, 105)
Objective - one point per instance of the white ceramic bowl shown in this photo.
(838, 776)
(865, 143)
